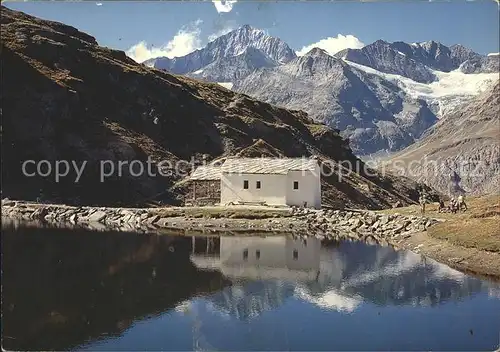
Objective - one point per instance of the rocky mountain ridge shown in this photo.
(233, 68)
(416, 60)
(228, 45)
(405, 88)
(371, 112)
(461, 153)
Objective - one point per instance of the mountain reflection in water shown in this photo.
(67, 289)
(337, 277)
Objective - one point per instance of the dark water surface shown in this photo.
(80, 290)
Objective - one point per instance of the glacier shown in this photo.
(449, 91)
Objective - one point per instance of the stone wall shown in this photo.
(362, 225)
(203, 192)
(367, 226)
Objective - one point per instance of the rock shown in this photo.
(97, 226)
(352, 235)
(371, 240)
(369, 220)
(355, 222)
(384, 219)
(127, 218)
(162, 222)
(311, 217)
(40, 213)
(152, 220)
(383, 243)
(96, 216)
(376, 225)
(399, 228)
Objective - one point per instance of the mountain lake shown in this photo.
(75, 289)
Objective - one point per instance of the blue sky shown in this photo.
(176, 28)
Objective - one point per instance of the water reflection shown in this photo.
(64, 289)
(333, 276)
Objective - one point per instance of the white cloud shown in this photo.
(98, 3)
(493, 54)
(184, 42)
(224, 5)
(334, 44)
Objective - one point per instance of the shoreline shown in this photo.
(178, 219)
(334, 224)
(471, 261)
(468, 241)
(400, 231)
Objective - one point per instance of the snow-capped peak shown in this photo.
(238, 41)
(317, 52)
(449, 90)
(429, 43)
(249, 28)
(226, 46)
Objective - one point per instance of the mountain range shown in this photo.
(381, 97)
(461, 153)
(64, 97)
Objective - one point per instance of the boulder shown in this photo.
(371, 240)
(384, 219)
(96, 216)
(162, 222)
(152, 220)
(40, 213)
(376, 225)
(127, 218)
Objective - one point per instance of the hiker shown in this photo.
(453, 205)
(441, 208)
(461, 202)
(422, 201)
